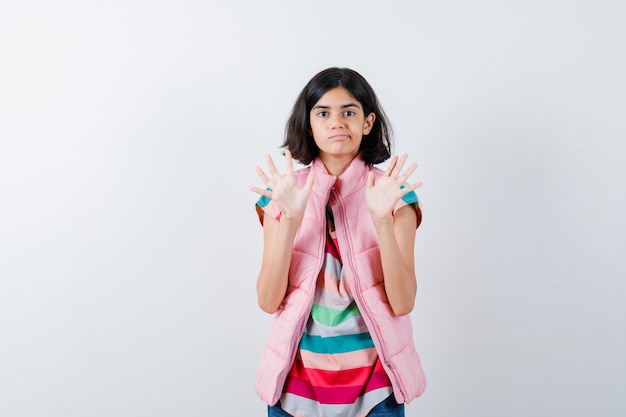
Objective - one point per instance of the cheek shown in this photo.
(315, 130)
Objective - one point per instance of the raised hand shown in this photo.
(383, 194)
(283, 189)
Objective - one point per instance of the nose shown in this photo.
(336, 121)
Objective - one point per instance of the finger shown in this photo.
(392, 165)
(411, 187)
(272, 167)
(308, 186)
(261, 191)
(262, 175)
(288, 162)
(407, 173)
(399, 164)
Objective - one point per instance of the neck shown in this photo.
(336, 165)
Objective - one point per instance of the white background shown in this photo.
(129, 245)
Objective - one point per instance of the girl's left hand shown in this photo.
(383, 194)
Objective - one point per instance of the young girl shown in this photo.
(338, 263)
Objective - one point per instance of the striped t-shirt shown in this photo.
(336, 372)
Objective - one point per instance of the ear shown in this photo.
(368, 123)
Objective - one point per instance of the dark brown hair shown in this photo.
(375, 147)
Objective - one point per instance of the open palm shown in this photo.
(284, 191)
(383, 194)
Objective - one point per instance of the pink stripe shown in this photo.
(378, 380)
(330, 283)
(323, 378)
(334, 395)
(330, 248)
(339, 361)
(336, 242)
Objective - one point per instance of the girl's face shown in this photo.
(338, 124)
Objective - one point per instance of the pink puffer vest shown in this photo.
(392, 335)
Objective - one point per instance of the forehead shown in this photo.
(337, 97)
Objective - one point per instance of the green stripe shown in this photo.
(331, 317)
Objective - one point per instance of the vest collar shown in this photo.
(351, 180)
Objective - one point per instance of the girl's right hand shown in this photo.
(283, 189)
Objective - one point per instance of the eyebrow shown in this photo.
(344, 106)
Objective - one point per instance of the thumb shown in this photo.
(370, 179)
(309, 181)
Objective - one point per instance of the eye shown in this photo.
(349, 113)
(322, 113)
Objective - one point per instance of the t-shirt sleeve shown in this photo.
(265, 205)
(411, 199)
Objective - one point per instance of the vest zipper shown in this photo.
(357, 290)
